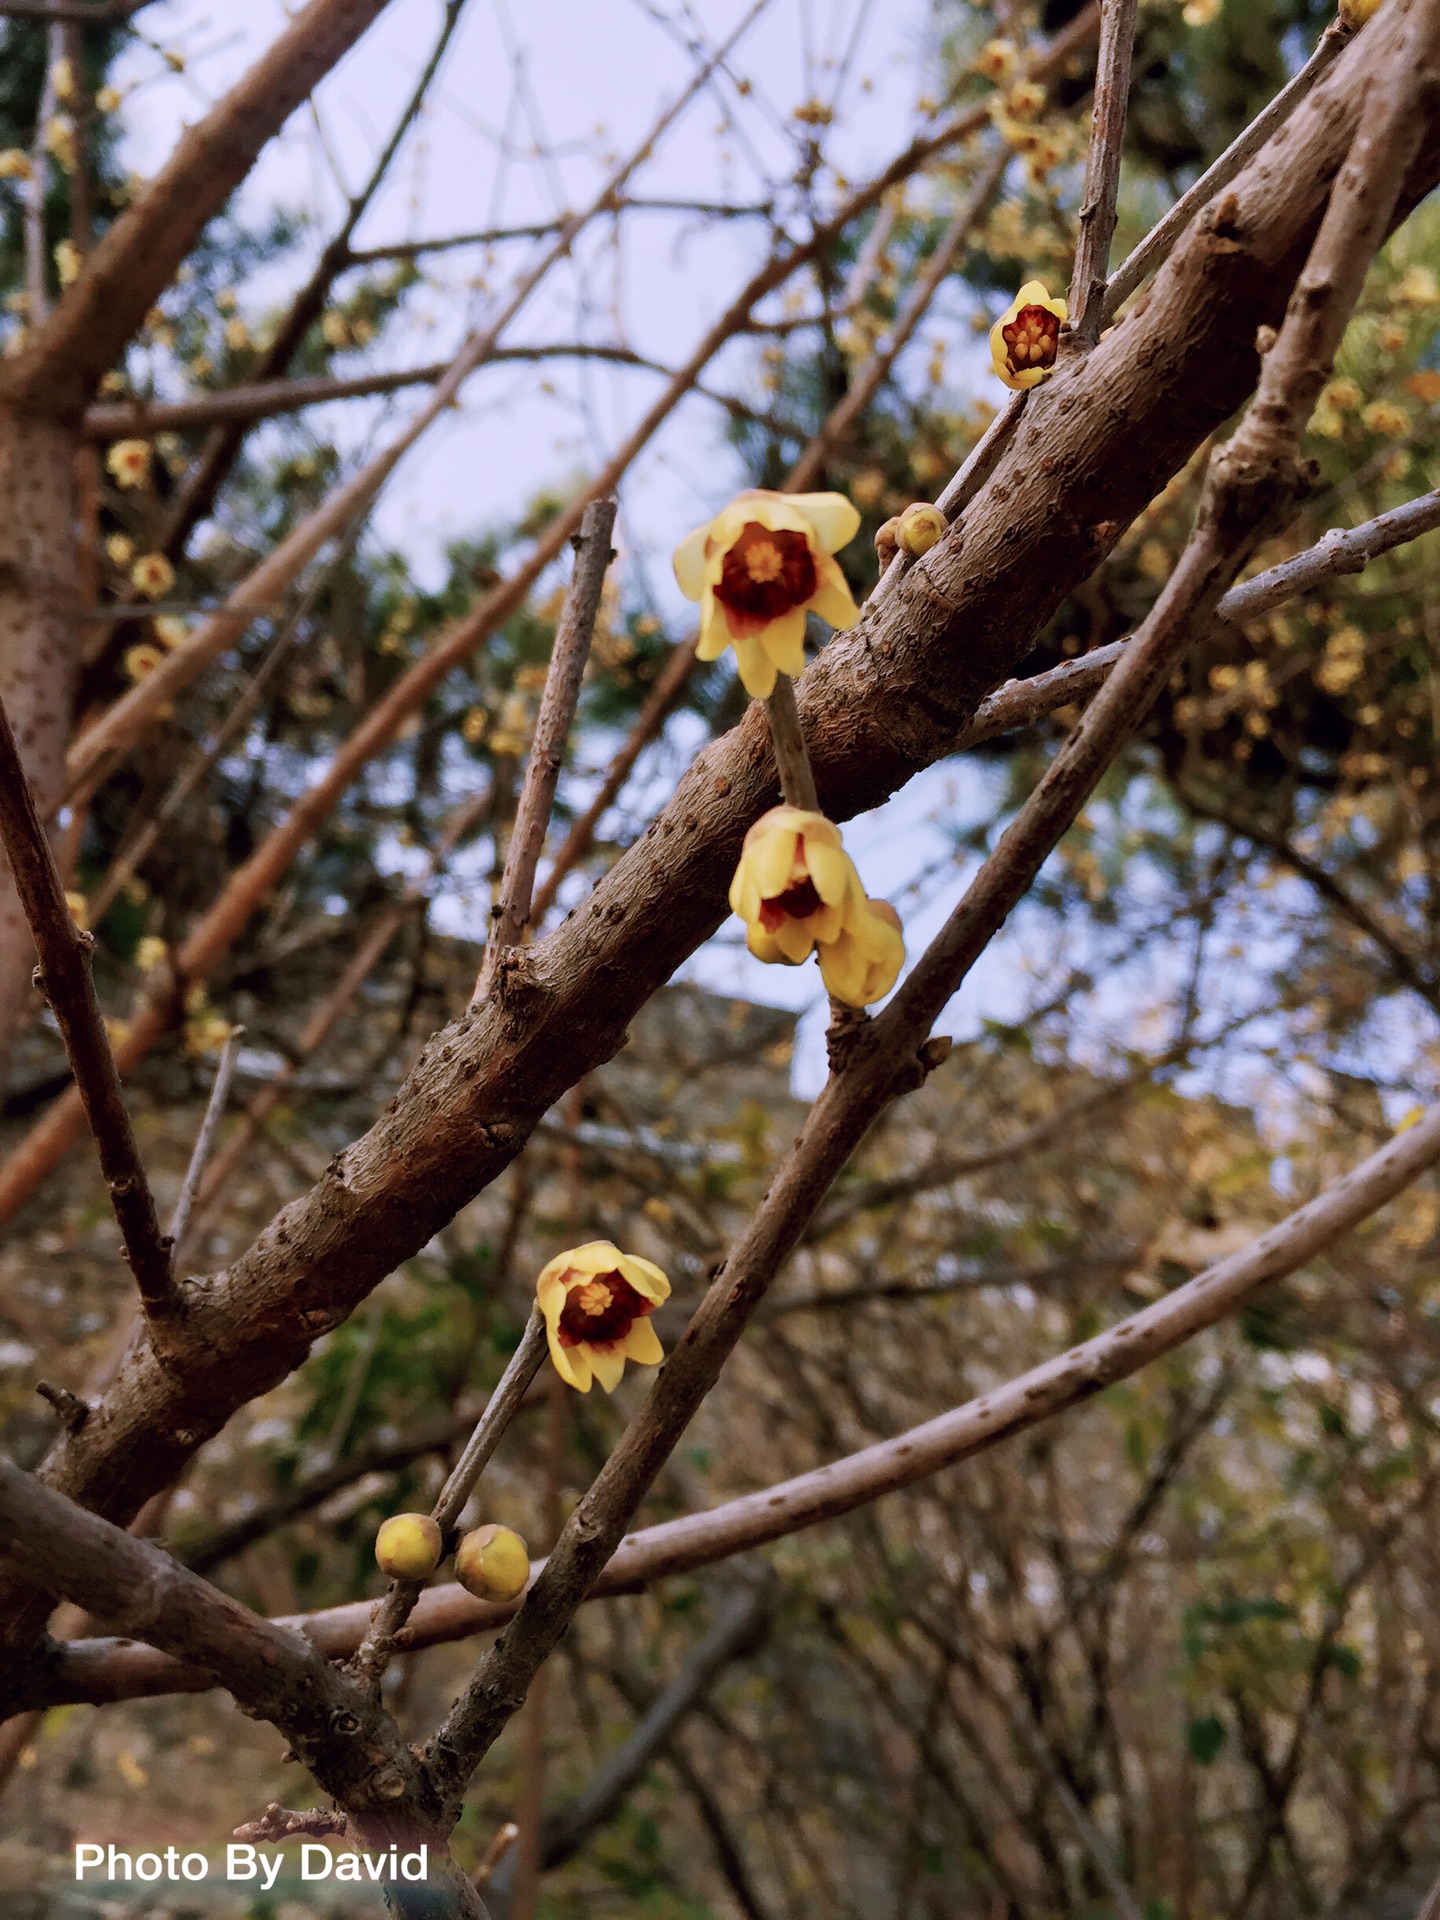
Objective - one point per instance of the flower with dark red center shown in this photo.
(1026, 338)
(791, 884)
(757, 569)
(597, 1301)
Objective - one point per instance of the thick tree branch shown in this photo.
(137, 258)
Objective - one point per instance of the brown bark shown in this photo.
(1091, 449)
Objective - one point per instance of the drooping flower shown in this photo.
(757, 569)
(129, 462)
(1026, 337)
(863, 962)
(142, 660)
(152, 575)
(792, 884)
(597, 1301)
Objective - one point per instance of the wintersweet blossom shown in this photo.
(792, 884)
(1026, 337)
(152, 575)
(142, 660)
(1356, 12)
(757, 569)
(597, 1301)
(128, 462)
(863, 962)
(921, 525)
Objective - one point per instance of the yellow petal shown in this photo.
(763, 945)
(842, 968)
(609, 1367)
(596, 1256)
(642, 1344)
(772, 859)
(830, 869)
(794, 940)
(784, 641)
(714, 628)
(835, 520)
(690, 563)
(646, 1278)
(757, 670)
(826, 924)
(570, 1362)
(832, 598)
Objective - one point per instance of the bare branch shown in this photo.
(510, 915)
(379, 1645)
(69, 987)
(96, 13)
(792, 762)
(1155, 249)
(493, 236)
(871, 376)
(205, 1139)
(135, 261)
(1102, 169)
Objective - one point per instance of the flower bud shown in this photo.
(407, 1547)
(493, 1563)
(887, 540)
(921, 525)
(1354, 13)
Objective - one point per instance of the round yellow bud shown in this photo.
(887, 540)
(493, 1563)
(407, 1547)
(921, 525)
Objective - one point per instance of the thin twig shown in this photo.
(511, 912)
(1102, 169)
(1159, 243)
(797, 782)
(870, 376)
(377, 1648)
(205, 1139)
(37, 303)
(492, 236)
(66, 980)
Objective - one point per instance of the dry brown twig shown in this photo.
(64, 977)
(510, 916)
(1102, 169)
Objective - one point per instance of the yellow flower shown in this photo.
(78, 906)
(108, 100)
(792, 884)
(997, 60)
(474, 724)
(1385, 416)
(237, 335)
(864, 962)
(596, 1302)
(129, 462)
(141, 661)
(15, 164)
(1024, 101)
(152, 575)
(1026, 337)
(171, 632)
(151, 952)
(1356, 12)
(921, 525)
(67, 262)
(757, 569)
(1200, 13)
(119, 549)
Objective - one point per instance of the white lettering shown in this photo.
(347, 1867)
(97, 1854)
(323, 1866)
(143, 1872)
(112, 1865)
(270, 1870)
(202, 1866)
(239, 1863)
(422, 1865)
